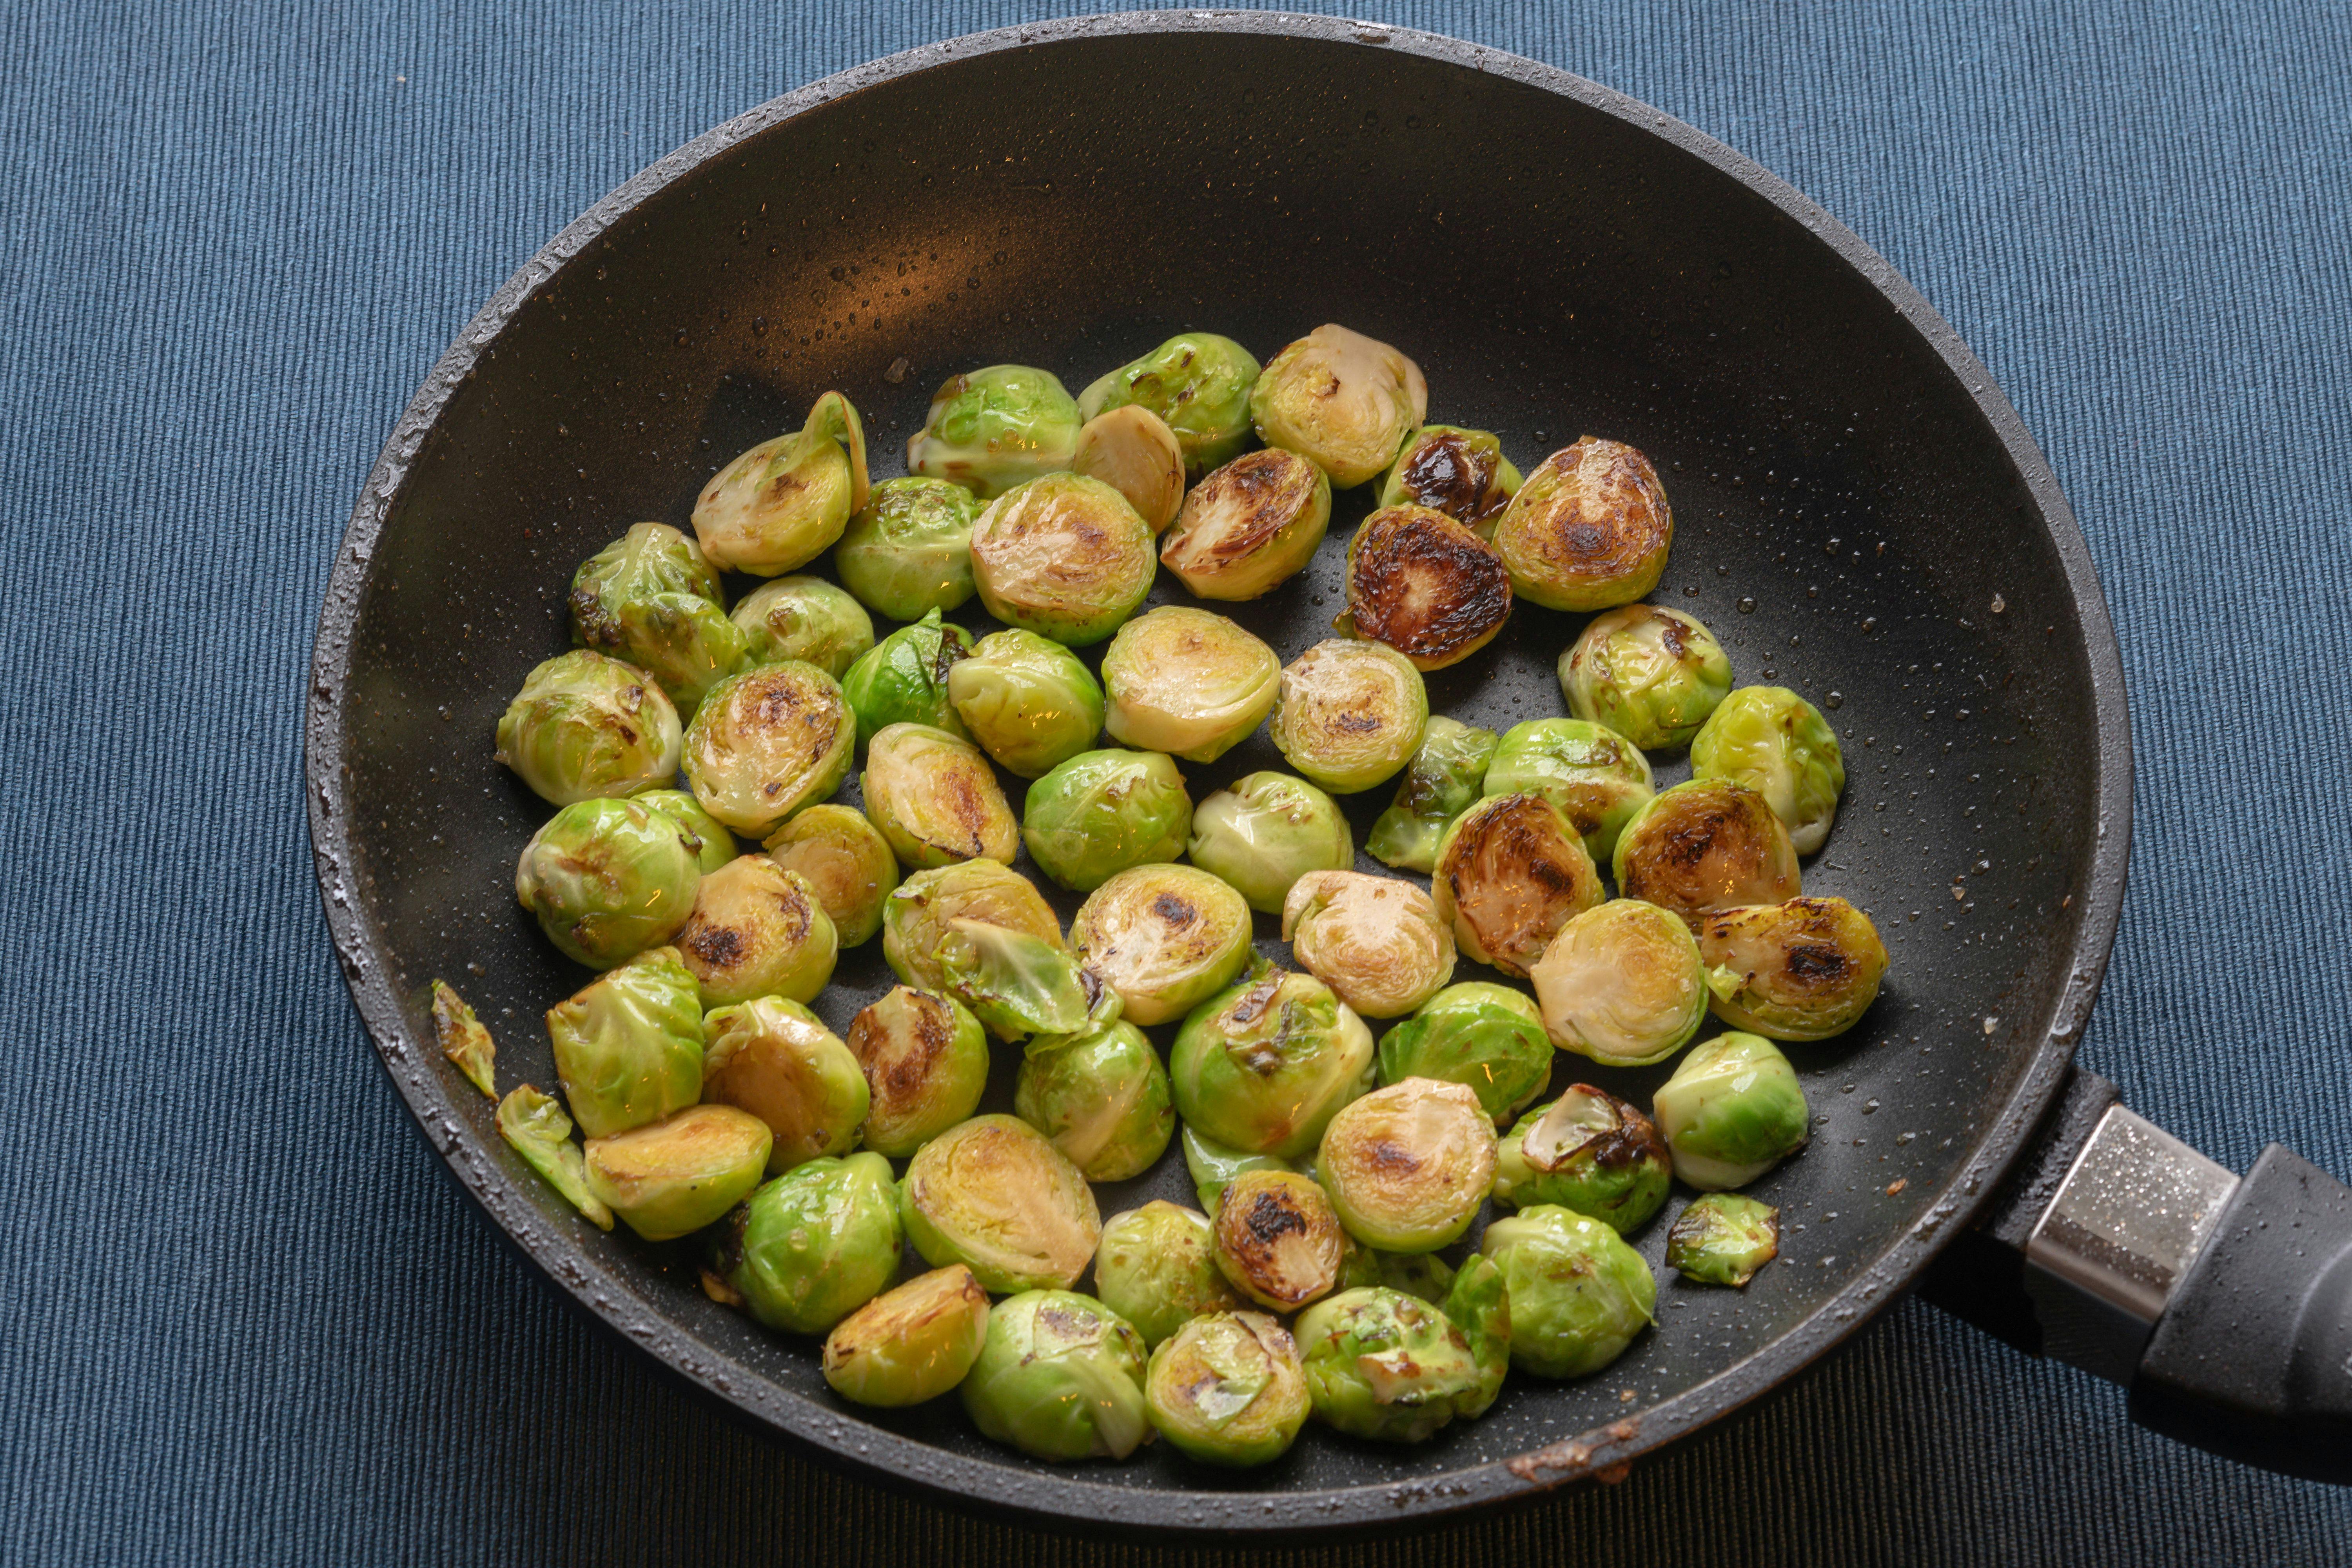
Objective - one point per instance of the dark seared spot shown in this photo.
(1061, 1319)
(1272, 1216)
(1446, 473)
(792, 913)
(1812, 964)
(1393, 1157)
(1426, 585)
(1173, 910)
(1252, 1004)
(1584, 538)
(716, 946)
(1355, 722)
(1673, 635)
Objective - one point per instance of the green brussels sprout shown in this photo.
(1383, 1364)
(1485, 1035)
(1577, 1293)
(1588, 530)
(1101, 1094)
(1511, 872)
(649, 599)
(911, 1343)
(1378, 941)
(767, 741)
(807, 619)
(1263, 831)
(1423, 1276)
(1461, 473)
(773, 1059)
(1132, 451)
(908, 550)
(1262, 1066)
(777, 507)
(1213, 1167)
(1704, 845)
(994, 428)
(1064, 556)
(1277, 1238)
(1027, 701)
(1227, 1389)
(1165, 938)
(1649, 673)
(713, 845)
(1732, 1110)
(845, 862)
(917, 915)
(1198, 384)
(926, 1063)
(1778, 744)
(1060, 1377)
(994, 1194)
(935, 798)
(1442, 781)
(1804, 970)
(1014, 983)
(607, 879)
(757, 929)
(810, 1246)
(1723, 1238)
(537, 1128)
(1598, 778)
(1587, 1151)
(1249, 526)
(1188, 682)
(670, 1178)
(1342, 398)
(1157, 1268)
(585, 726)
(1426, 585)
(1408, 1166)
(628, 1047)
(1621, 984)
(1102, 812)
(903, 678)
(463, 1039)
(1349, 714)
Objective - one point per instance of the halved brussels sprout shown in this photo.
(1511, 872)
(1441, 782)
(775, 1059)
(1157, 1268)
(1587, 1151)
(1804, 970)
(908, 550)
(1733, 1110)
(1342, 398)
(584, 726)
(1621, 984)
(672, 1177)
(1213, 1165)
(1598, 778)
(1198, 384)
(649, 599)
(936, 799)
(1382, 1365)
(1227, 1389)
(1349, 714)
(810, 1246)
(1166, 937)
(1590, 529)
(994, 428)
(713, 844)
(757, 929)
(1461, 473)
(1263, 1066)
(845, 862)
(1132, 451)
(1188, 682)
(1102, 812)
(903, 678)
(778, 507)
(804, 619)
(1060, 1377)
(1426, 585)
(1263, 831)
(1408, 1166)
(1578, 1294)
(768, 741)
(1249, 526)
(1064, 556)
(1723, 1238)
(1778, 744)
(1487, 1036)
(911, 1343)
(917, 917)
(463, 1039)
(1704, 845)
(926, 1063)
(537, 1128)
(1014, 983)
(1278, 1239)
(995, 1194)
(1649, 673)
(628, 1047)
(1378, 941)
(608, 879)
(1100, 1095)
(1027, 701)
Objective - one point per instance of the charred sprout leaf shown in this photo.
(774, 1059)
(806, 619)
(1064, 556)
(1443, 780)
(1101, 813)
(1378, 941)
(585, 726)
(1733, 1110)
(1723, 1238)
(1227, 1389)
(607, 879)
(1349, 714)
(908, 551)
(1263, 831)
(1511, 872)
(768, 741)
(1382, 1365)
(915, 917)
(909, 1345)
(1778, 744)
(1198, 384)
(1165, 938)
(1101, 1094)
(1014, 983)
(1621, 984)
(1342, 399)
(1027, 701)
(1486, 1037)
(845, 862)
(629, 1047)
(537, 1128)
(1426, 585)
(1705, 845)
(1408, 1166)
(994, 428)
(649, 599)
(1598, 778)
(1587, 1151)
(1157, 1268)
(713, 845)
(1461, 473)
(1214, 1165)
(1249, 526)
(1263, 1066)
(670, 1178)
(1651, 674)
(1804, 970)
(812, 1246)
(780, 505)
(464, 1040)
(1278, 1239)
(935, 798)
(1588, 530)
(994, 1194)
(1577, 1293)
(757, 929)
(1132, 451)
(903, 678)
(1060, 1377)
(1188, 682)
(926, 1063)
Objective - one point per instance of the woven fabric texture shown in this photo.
(248, 1321)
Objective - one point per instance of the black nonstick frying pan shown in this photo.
(1861, 516)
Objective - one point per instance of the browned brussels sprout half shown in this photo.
(1426, 585)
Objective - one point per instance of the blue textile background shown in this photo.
(245, 1318)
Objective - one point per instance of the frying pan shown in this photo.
(1861, 516)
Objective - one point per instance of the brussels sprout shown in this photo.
(584, 726)
(806, 619)
(672, 1177)
(1166, 937)
(1804, 970)
(1733, 1110)
(908, 551)
(1621, 984)
(845, 862)
(1588, 530)
(1188, 682)
(1060, 1377)
(1423, 1276)
(1027, 701)
(1132, 451)
(995, 1194)
(757, 930)
(1262, 1066)
(775, 1059)
(1101, 1094)
(917, 916)
(1213, 1166)
(812, 1246)
(1723, 1238)
(926, 1063)
(935, 798)
(537, 1129)
(1461, 473)
(713, 845)
(1649, 673)
(1598, 778)
(1349, 714)
(1778, 744)
(1408, 1166)
(1249, 526)
(994, 428)
(1157, 1268)
(1228, 1389)
(1065, 556)
(1382, 1365)
(1587, 1151)
(628, 1047)
(1511, 872)
(777, 507)
(1705, 845)
(1486, 1037)
(1441, 782)
(911, 1343)
(608, 879)
(1102, 812)
(464, 1040)
(1342, 399)
(1425, 586)
(1578, 1294)
(1277, 1238)
(768, 741)
(1014, 983)
(903, 678)
(1198, 384)
(1263, 831)
(1376, 940)
(649, 599)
